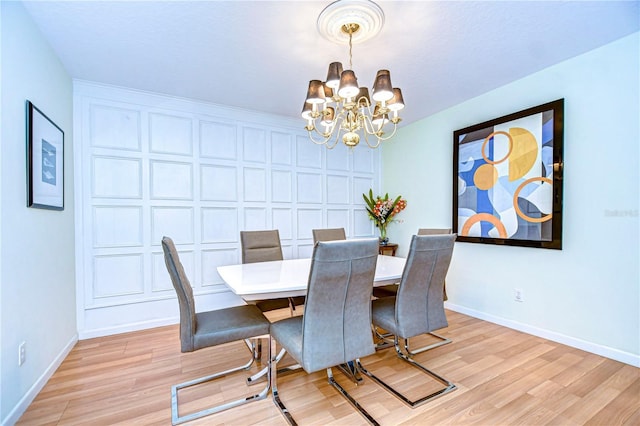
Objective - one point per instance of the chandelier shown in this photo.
(338, 109)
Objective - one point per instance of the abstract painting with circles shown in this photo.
(507, 179)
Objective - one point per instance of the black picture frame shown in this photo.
(507, 179)
(45, 161)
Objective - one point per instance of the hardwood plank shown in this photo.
(622, 408)
(503, 377)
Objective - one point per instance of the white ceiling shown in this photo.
(260, 55)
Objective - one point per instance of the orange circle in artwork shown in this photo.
(515, 200)
(485, 176)
(484, 144)
(483, 217)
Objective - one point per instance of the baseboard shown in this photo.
(31, 394)
(137, 326)
(107, 320)
(605, 351)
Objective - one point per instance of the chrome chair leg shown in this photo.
(443, 341)
(273, 378)
(176, 419)
(385, 341)
(255, 346)
(412, 403)
(349, 398)
(285, 411)
(350, 370)
(252, 380)
(292, 306)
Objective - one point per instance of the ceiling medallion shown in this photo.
(366, 14)
(338, 106)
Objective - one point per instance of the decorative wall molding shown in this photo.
(149, 165)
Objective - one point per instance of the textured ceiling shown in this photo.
(260, 55)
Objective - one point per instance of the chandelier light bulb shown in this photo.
(397, 102)
(348, 85)
(333, 75)
(328, 93)
(363, 98)
(315, 93)
(306, 111)
(382, 89)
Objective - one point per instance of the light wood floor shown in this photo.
(504, 377)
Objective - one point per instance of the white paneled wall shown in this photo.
(149, 165)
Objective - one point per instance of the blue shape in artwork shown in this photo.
(484, 201)
(547, 132)
(484, 206)
(465, 166)
(501, 198)
(532, 230)
(509, 185)
(468, 199)
(472, 154)
(547, 160)
(476, 199)
(48, 163)
(490, 148)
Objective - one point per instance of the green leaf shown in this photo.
(370, 202)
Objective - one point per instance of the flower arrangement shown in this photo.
(382, 210)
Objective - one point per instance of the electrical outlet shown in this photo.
(22, 353)
(518, 295)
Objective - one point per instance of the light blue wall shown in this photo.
(37, 246)
(586, 295)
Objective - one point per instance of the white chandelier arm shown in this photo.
(370, 128)
(366, 139)
(325, 138)
(379, 136)
(389, 136)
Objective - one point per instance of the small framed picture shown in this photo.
(45, 158)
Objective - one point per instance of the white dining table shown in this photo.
(289, 278)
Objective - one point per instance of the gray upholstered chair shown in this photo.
(328, 234)
(391, 290)
(205, 329)
(264, 246)
(418, 307)
(260, 246)
(335, 327)
(434, 231)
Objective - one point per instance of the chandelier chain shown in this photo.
(350, 50)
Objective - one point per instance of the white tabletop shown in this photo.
(288, 278)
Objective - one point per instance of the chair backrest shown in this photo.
(419, 301)
(260, 246)
(434, 231)
(185, 294)
(337, 315)
(328, 234)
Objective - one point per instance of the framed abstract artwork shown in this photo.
(45, 161)
(507, 179)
